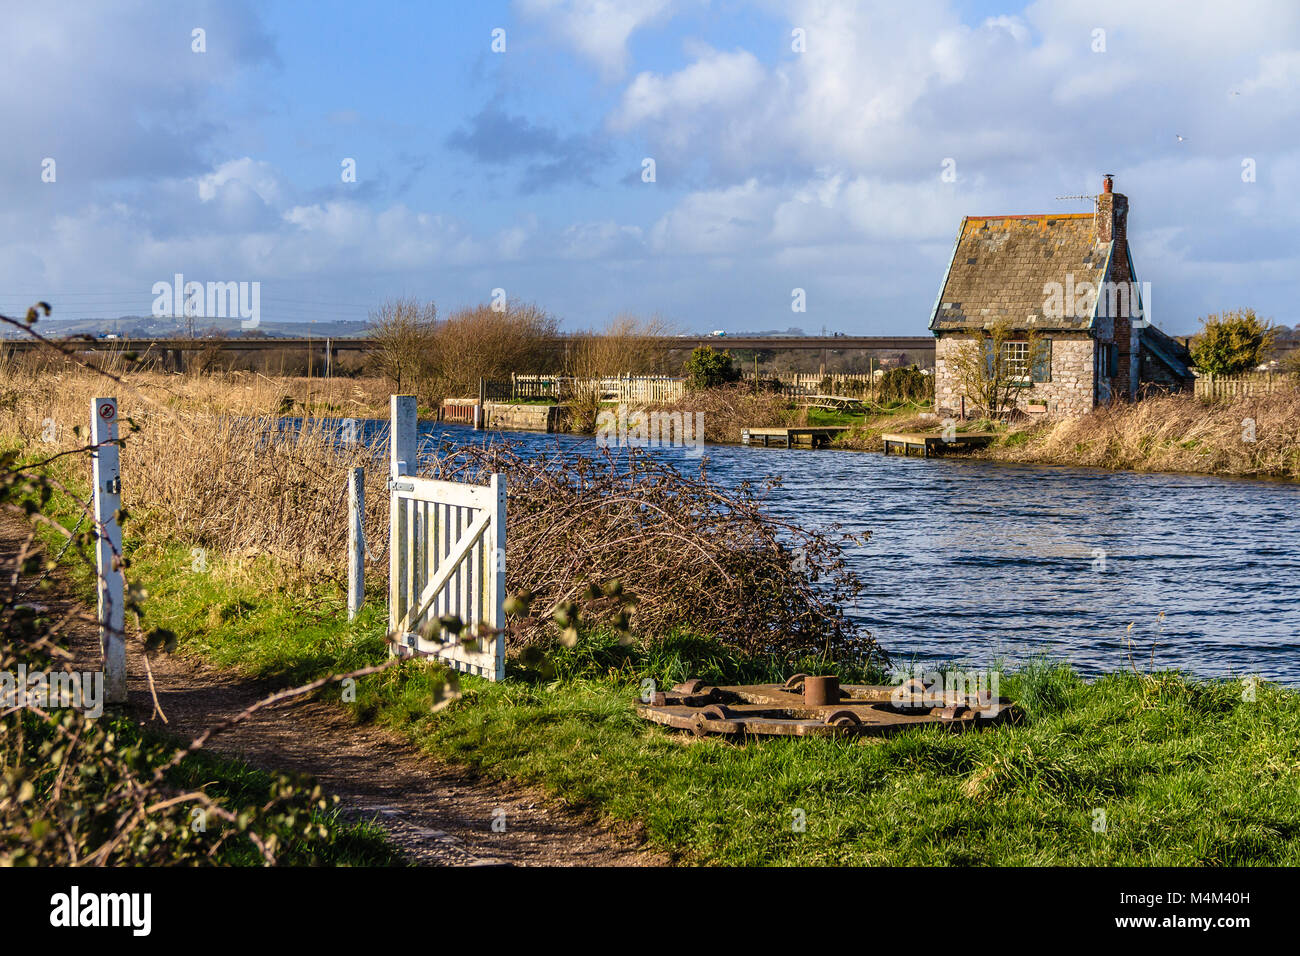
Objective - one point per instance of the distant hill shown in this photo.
(152, 327)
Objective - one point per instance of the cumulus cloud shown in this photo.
(598, 30)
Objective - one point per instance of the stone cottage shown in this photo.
(1070, 279)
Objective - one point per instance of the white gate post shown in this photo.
(403, 433)
(108, 546)
(497, 613)
(356, 541)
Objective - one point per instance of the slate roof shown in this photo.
(1000, 265)
(1168, 350)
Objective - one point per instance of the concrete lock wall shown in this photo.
(535, 418)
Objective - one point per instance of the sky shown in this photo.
(827, 146)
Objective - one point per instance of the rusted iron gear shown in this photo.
(754, 710)
(843, 718)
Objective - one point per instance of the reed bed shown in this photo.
(1249, 437)
(208, 461)
(730, 409)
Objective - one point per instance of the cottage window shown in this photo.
(1015, 361)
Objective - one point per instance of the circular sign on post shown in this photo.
(107, 411)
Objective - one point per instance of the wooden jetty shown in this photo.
(934, 442)
(809, 437)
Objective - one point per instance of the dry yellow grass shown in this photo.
(197, 463)
(729, 410)
(1174, 433)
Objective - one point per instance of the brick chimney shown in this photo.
(1112, 225)
(1112, 214)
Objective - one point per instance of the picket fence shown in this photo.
(629, 389)
(1218, 387)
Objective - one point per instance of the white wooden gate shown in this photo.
(447, 546)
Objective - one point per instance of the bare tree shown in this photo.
(485, 342)
(624, 345)
(404, 332)
(995, 366)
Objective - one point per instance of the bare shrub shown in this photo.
(624, 345)
(993, 376)
(404, 331)
(694, 555)
(481, 342)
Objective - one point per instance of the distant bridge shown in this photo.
(781, 343)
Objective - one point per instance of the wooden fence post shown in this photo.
(107, 477)
(480, 416)
(356, 541)
(402, 449)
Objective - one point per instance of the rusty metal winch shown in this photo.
(807, 706)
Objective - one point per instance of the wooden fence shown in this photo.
(797, 384)
(628, 389)
(1220, 387)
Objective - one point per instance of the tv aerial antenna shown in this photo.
(1088, 196)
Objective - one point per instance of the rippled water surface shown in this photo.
(976, 561)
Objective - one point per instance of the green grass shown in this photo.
(1186, 772)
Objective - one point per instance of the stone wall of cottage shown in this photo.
(1067, 395)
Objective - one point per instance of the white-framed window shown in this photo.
(1015, 361)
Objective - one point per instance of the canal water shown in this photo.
(985, 563)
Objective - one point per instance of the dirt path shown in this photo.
(436, 813)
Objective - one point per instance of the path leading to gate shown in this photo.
(436, 813)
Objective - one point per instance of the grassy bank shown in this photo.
(1186, 772)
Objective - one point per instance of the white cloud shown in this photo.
(597, 29)
(715, 81)
(253, 175)
(595, 240)
(1278, 72)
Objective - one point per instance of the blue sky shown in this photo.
(776, 169)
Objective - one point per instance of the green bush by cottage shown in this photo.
(1232, 343)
